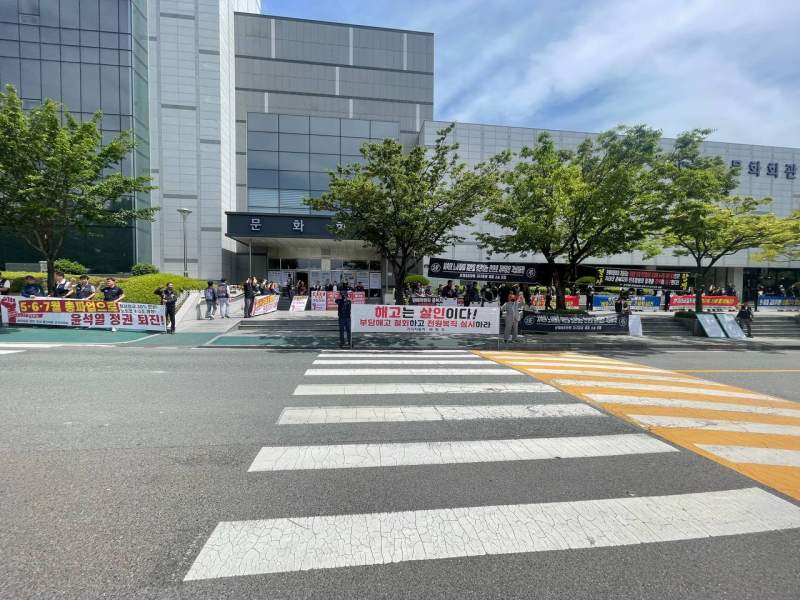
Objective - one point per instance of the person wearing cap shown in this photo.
(343, 306)
(223, 299)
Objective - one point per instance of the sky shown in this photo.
(729, 65)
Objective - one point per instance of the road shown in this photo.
(161, 473)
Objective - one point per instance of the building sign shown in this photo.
(710, 303)
(298, 225)
(249, 225)
(481, 271)
(89, 314)
(552, 323)
(265, 304)
(425, 319)
(667, 280)
(771, 169)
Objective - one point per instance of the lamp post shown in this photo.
(185, 212)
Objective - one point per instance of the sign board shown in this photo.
(537, 301)
(731, 326)
(319, 300)
(780, 303)
(375, 281)
(298, 304)
(554, 323)
(383, 318)
(710, 303)
(635, 326)
(445, 268)
(637, 303)
(332, 297)
(89, 314)
(265, 304)
(620, 277)
(710, 325)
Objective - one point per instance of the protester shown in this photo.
(618, 304)
(5, 286)
(112, 292)
(486, 294)
(513, 310)
(62, 288)
(210, 295)
(745, 319)
(223, 299)
(343, 306)
(32, 289)
(448, 291)
(250, 287)
(169, 297)
(526, 294)
(667, 296)
(548, 297)
(84, 289)
(359, 287)
(473, 296)
(589, 297)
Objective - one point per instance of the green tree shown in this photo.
(570, 206)
(59, 178)
(407, 205)
(704, 221)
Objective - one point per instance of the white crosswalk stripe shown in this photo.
(303, 542)
(11, 351)
(716, 425)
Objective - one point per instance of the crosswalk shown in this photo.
(448, 390)
(756, 434)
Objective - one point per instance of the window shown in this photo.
(257, 159)
(262, 122)
(28, 33)
(319, 181)
(257, 198)
(109, 88)
(324, 144)
(50, 52)
(355, 128)
(29, 50)
(294, 180)
(108, 15)
(9, 70)
(380, 130)
(292, 142)
(293, 124)
(70, 54)
(90, 17)
(259, 178)
(323, 162)
(109, 40)
(90, 88)
(71, 37)
(49, 35)
(90, 55)
(31, 84)
(352, 145)
(69, 13)
(257, 140)
(90, 38)
(51, 79)
(71, 85)
(324, 126)
(294, 161)
(10, 49)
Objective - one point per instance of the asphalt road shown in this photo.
(119, 466)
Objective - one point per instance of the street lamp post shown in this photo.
(185, 212)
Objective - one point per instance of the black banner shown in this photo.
(553, 323)
(627, 278)
(446, 268)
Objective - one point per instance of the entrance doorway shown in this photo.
(301, 276)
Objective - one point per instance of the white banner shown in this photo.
(298, 304)
(319, 300)
(265, 304)
(384, 318)
(90, 314)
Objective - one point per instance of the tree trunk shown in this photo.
(561, 303)
(51, 274)
(399, 285)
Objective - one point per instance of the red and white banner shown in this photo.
(384, 318)
(710, 303)
(265, 304)
(537, 301)
(355, 298)
(90, 314)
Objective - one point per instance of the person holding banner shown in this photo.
(112, 292)
(63, 288)
(343, 309)
(31, 289)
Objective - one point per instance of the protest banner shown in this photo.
(355, 298)
(780, 303)
(298, 304)
(552, 323)
(265, 304)
(89, 314)
(710, 303)
(637, 303)
(446, 268)
(319, 300)
(620, 277)
(537, 301)
(425, 319)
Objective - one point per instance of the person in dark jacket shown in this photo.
(745, 319)
(589, 297)
(31, 289)
(210, 295)
(62, 288)
(250, 292)
(84, 289)
(169, 297)
(343, 308)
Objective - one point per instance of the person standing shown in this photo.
(112, 292)
(513, 309)
(169, 297)
(589, 297)
(84, 289)
(548, 297)
(223, 299)
(210, 295)
(343, 309)
(5, 286)
(31, 289)
(745, 319)
(62, 288)
(667, 295)
(250, 292)
(504, 293)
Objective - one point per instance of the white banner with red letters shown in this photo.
(355, 298)
(90, 314)
(265, 304)
(382, 318)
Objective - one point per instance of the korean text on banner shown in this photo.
(265, 304)
(538, 301)
(89, 314)
(425, 319)
(355, 298)
(319, 300)
(298, 304)
(710, 303)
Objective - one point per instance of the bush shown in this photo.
(66, 265)
(420, 279)
(140, 289)
(586, 280)
(143, 269)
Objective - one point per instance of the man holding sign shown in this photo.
(343, 309)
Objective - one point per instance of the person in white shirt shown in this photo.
(513, 309)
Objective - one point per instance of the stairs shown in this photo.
(771, 325)
(662, 326)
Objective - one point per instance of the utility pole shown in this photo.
(185, 212)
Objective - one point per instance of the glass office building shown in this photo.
(90, 55)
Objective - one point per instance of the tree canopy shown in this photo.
(407, 205)
(57, 178)
(570, 206)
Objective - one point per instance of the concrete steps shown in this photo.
(765, 325)
(662, 326)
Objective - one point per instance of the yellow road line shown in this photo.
(785, 479)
